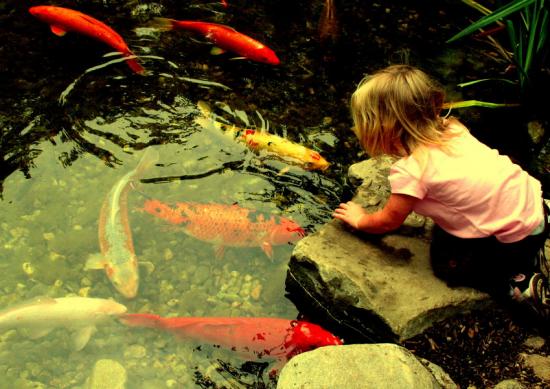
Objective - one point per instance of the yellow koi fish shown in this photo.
(40, 316)
(118, 257)
(260, 140)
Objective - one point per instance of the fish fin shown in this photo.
(148, 265)
(163, 24)
(219, 251)
(216, 50)
(204, 108)
(283, 170)
(207, 123)
(277, 366)
(35, 333)
(267, 249)
(82, 336)
(95, 262)
(141, 320)
(57, 30)
(135, 66)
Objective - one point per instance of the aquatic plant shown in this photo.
(527, 24)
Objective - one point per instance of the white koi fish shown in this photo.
(118, 257)
(40, 316)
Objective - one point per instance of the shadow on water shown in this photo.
(73, 121)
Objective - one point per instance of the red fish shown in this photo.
(224, 3)
(224, 37)
(329, 29)
(62, 20)
(250, 337)
(228, 225)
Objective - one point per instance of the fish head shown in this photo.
(113, 308)
(307, 336)
(163, 211)
(39, 10)
(286, 231)
(266, 55)
(124, 277)
(316, 162)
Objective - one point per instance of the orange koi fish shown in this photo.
(328, 29)
(250, 337)
(118, 257)
(228, 225)
(62, 20)
(283, 148)
(224, 37)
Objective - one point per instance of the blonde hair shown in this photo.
(397, 109)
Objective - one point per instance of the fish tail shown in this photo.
(135, 65)
(147, 320)
(164, 24)
(149, 158)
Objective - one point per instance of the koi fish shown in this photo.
(224, 3)
(227, 225)
(40, 316)
(62, 20)
(250, 337)
(329, 29)
(285, 149)
(118, 257)
(224, 37)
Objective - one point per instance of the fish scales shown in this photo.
(227, 225)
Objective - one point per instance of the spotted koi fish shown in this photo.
(227, 225)
(118, 257)
(283, 148)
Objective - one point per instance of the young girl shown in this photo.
(489, 213)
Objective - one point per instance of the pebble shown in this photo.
(135, 351)
(107, 374)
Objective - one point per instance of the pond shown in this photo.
(76, 123)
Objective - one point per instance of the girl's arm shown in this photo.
(398, 207)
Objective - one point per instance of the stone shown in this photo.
(372, 288)
(509, 384)
(107, 374)
(381, 366)
(539, 363)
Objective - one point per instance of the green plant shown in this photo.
(527, 24)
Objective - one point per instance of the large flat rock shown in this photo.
(369, 287)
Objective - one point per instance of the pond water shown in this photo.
(75, 122)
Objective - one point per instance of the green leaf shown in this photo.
(497, 15)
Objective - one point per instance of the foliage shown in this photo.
(527, 24)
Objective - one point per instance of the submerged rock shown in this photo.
(107, 374)
(381, 366)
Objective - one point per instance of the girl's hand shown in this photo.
(350, 213)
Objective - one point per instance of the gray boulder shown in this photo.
(380, 366)
(373, 288)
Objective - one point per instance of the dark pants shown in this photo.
(484, 263)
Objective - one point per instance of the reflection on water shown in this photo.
(75, 123)
(50, 229)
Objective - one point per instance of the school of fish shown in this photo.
(222, 225)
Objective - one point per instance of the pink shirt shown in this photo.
(471, 192)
